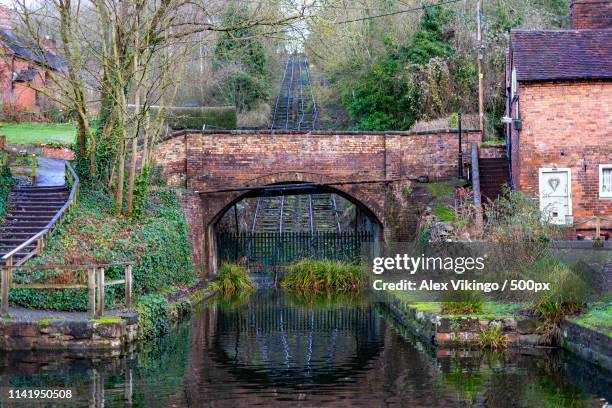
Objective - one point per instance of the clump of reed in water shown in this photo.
(311, 274)
(232, 278)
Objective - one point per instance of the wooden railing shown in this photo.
(96, 284)
(72, 180)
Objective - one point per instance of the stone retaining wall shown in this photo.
(104, 334)
(459, 331)
(588, 344)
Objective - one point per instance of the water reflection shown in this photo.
(272, 348)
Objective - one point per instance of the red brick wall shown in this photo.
(212, 161)
(18, 94)
(192, 208)
(6, 22)
(591, 14)
(567, 125)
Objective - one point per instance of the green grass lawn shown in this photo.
(598, 318)
(37, 133)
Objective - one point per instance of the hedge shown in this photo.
(216, 117)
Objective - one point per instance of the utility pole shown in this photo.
(481, 119)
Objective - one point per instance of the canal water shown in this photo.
(272, 348)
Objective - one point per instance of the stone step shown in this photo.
(21, 223)
(51, 208)
(16, 256)
(37, 189)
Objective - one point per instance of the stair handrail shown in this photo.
(39, 236)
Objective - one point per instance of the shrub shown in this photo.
(493, 337)
(232, 278)
(322, 275)
(441, 189)
(567, 296)
(514, 224)
(6, 183)
(444, 213)
(152, 316)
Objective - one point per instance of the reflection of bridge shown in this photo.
(273, 339)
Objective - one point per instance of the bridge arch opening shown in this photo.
(283, 221)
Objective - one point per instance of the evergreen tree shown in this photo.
(242, 55)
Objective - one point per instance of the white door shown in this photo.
(556, 195)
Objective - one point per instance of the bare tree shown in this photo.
(131, 55)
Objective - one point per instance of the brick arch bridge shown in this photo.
(368, 168)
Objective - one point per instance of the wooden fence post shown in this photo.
(40, 245)
(100, 285)
(9, 267)
(5, 289)
(597, 228)
(91, 293)
(128, 286)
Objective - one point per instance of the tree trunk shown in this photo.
(132, 176)
(120, 178)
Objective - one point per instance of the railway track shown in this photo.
(296, 109)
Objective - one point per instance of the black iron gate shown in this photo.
(265, 252)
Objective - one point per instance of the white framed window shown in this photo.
(605, 180)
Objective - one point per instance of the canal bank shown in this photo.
(275, 348)
(424, 321)
(27, 329)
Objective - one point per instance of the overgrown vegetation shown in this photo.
(493, 337)
(6, 183)
(309, 274)
(568, 295)
(444, 212)
(152, 316)
(242, 61)
(441, 189)
(232, 278)
(467, 303)
(390, 72)
(388, 98)
(157, 242)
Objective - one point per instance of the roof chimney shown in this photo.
(591, 14)
(6, 18)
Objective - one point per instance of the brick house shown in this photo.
(23, 65)
(559, 116)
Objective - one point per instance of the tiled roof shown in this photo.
(30, 51)
(547, 55)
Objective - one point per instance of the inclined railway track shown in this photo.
(296, 109)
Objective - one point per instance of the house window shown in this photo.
(605, 180)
